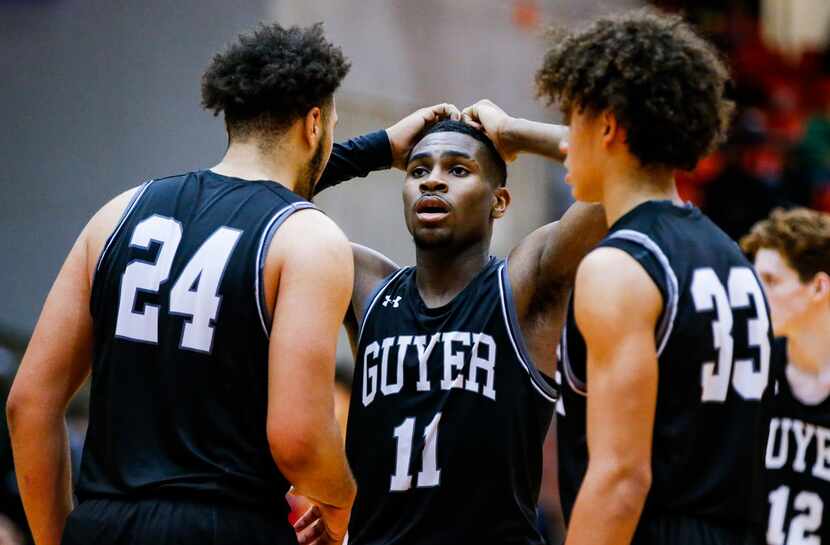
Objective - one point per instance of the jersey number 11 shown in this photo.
(429, 475)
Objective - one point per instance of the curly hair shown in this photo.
(801, 235)
(272, 76)
(663, 83)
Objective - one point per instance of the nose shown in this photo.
(433, 184)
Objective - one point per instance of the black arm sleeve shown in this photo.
(356, 158)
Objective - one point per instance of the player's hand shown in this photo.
(403, 133)
(485, 115)
(322, 525)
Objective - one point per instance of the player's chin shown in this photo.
(427, 238)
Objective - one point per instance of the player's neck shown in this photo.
(809, 348)
(441, 275)
(249, 160)
(627, 190)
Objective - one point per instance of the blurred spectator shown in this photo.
(749, 185)
(779, 152)
(815, 151)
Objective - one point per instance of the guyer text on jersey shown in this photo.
(467, 361)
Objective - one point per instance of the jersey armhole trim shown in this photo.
(514, 333)
(574, 382)
(373, 298)
(666, 325)
(271, 227)
(124, 215)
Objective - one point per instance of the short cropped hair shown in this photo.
(664, 84)
(801, 235)
(273, 76)
(449, 125)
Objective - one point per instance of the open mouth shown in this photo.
(431, 208)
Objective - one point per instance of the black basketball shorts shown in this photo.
(173, 522)
(682, 530)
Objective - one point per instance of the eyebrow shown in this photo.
(444, 154)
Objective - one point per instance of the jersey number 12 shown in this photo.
(194, 295)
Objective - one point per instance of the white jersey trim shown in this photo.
(576, 385)
(545, 390)
(667, 323)
(124, 215)
(267, 234)
(374, 299)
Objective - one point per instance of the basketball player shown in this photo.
(185, 299)
(792, 256)
(666, 350)
(450, 401)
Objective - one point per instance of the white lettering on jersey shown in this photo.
(805, 436)
(468, 362)
(370, 373)
(453, 360)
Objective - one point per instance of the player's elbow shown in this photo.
(626, 484)
(294, 451)
(20, 405)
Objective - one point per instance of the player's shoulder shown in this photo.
(310, 227)
(609, 269)
(610, 283)
(309, 236)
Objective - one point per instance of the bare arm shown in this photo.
(311, 261)
(56, 363)
(370, 267)
(616, 313)
(543, 265)
(513, 135)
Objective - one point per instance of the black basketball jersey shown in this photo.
(447, 418)
(797, 465)
(713, 340)
(179, 377)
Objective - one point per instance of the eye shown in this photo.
(459, 171)
(419, 172)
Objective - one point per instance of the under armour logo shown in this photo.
(395, 302)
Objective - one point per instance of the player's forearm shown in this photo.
(356, 158)
(527, 136)
(315, 463)
(40, 447)
(621, 491)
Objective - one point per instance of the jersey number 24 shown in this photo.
(194, 295)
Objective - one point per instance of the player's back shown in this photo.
(179, 379)
(713, 340)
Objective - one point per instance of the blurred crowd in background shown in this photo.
(778, 154)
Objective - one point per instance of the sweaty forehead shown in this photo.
(439, 143)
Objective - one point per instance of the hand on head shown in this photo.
(402, 134)
(488, 117)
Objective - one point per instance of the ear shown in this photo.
(313, 126)
(501, 200)
(611, 130)
(821, 287)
